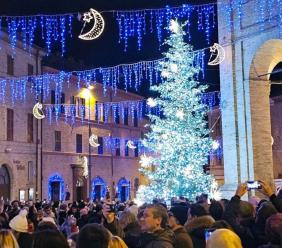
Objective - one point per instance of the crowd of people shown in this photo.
(234, 223)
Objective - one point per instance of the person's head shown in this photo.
(49, 238)
(126, 218)
(47, 209)
(154, 218)
(177, 216)
(93, 236)
(221, 224)
(265, 210)
(19, 222)
(196, 210)
(273, 228)
(116, 242)
(224, 238)
(216, 210)
(246, 210)
(46, 225)
(7, 239)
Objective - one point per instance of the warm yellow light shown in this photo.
(85, 93)
(90, 87)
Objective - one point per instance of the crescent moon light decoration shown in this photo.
(130, 144)
(37, 111)
(98, 27)
(93, 140)
(220, 54)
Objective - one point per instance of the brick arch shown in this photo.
(265, 59)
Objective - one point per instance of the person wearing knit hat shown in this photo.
(177, 217)
(19, 222)
(19, 226)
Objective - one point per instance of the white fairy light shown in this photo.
(180, 114)
(174, 68)
(174, 26)
(215, 145)
(145, 161)
(151, 102)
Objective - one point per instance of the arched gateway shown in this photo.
(251, 54)
(5, 186)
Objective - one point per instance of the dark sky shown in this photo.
(105, 51)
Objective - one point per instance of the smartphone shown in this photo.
(208, 233)
(253, 185)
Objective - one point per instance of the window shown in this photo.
(100, 147)
(79, 106)
(96, 111)
(125, 120)
(136, 150)
(29, 70)
(116, 114)
(58, 141)
(117, 145)
(30, 171)
(10, 124)
(10, 65)
(22, 195)
(126, 149)
(58, 100)
(29, 128)
(31, 194)
(79, 143)
(62, 102)
(135, 119)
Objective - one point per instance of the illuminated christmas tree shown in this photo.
(179, 140)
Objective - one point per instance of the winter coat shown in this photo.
(162, 238)
(196, 229)
(114, 228)
(182, 238)
(132, 233)
(277, 202)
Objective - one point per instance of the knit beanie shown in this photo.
(180, 213)
(19, 222)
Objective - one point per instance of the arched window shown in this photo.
(123, 189)
(98, 188)
(56, 188)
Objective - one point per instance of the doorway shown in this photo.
(97, 192)
(55, 191)
(5, 187)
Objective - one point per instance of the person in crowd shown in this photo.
(4, 218)
(74, 211)
(49, 238)
(19, 226)
(117, 242)
(93, 236)
(224, 238)
(62, 213)
(219, 224)
(110, 221)
(69, 226)
(198, 222)
(177, 218)
(84, 217)
(15, 209)
(216, 210)
(273, 231)
(46, 225)
(7, 239)
(154, 223)
(131, 228)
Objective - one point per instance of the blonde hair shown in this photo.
(7, 239)
(224, 238)
(117, 242)
(126, 218)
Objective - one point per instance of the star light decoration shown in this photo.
(151, 102)
(174, 26)
(174, 68)
(87, 17)
(215, 145)
(145, 161)
(180, 114)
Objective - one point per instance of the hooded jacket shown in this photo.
(162, 238)
(196, 229)
(182, 238)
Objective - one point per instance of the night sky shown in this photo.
(105, 51)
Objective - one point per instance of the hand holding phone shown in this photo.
(254, 185)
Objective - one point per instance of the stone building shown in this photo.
(253, 48)
(43, 160)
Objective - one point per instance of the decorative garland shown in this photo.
(129, 75)
(135, 23)
(265, 12)
(118, 110)
(53, 28)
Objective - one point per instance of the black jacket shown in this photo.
(163, 238)
(132, 233)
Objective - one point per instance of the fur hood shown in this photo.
(202, 222)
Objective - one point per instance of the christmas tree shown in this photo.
(179, 140)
